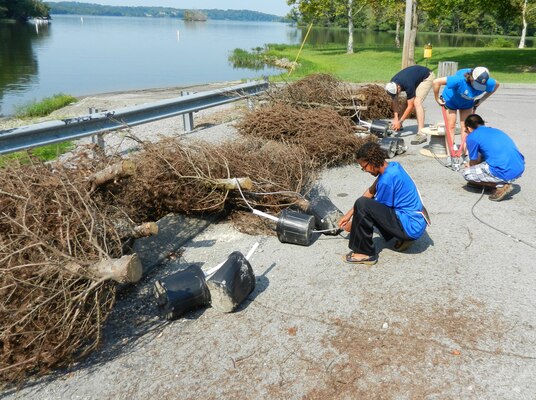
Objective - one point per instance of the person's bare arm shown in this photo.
(345, 221)
(407, 111)
(436, 85)
(371, 191)
(486, 95)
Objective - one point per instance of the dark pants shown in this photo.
(367, 214)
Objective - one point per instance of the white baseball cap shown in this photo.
(391, 88)
(480, 78)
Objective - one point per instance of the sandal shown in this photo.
(371, 260)
(403, 245)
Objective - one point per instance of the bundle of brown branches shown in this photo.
(325, 90)
(328, 138)
(378, 102)
(51, 305)
(197, 177)
(313, 91)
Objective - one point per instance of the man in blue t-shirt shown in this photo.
(416, 81)
(463, 92)
(495, 160)
(392, 204)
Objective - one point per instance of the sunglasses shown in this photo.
(364, 167)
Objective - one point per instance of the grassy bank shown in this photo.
(510, 65)
(41, 109)
(45, 106)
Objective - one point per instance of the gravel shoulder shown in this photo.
(453, 317)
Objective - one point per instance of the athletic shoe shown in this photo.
(419, 138)
(501, 192)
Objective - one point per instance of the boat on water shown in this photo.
(39, 21)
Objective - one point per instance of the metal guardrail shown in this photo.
(57, 131)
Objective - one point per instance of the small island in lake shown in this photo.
(190, 15)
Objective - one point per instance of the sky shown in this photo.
(276, 7)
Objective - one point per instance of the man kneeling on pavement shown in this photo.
(494, 159)
(392, 204)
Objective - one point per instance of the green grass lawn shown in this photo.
(380, 64)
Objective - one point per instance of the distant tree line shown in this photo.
(22, 10)
(493, 17)
(70, 7)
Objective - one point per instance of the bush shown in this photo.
(501, 43)
(45, 106)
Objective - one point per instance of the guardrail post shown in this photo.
(188, 118)
(99, 138)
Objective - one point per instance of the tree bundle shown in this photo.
(368, 102)
(328, 138)
(52, 302)
(177, 177)
(313, 91)
(378, 102)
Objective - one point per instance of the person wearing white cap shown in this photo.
(463, 92)
(416, 81)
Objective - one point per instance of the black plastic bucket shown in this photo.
(231, 283)
(326, 214)
(295, 227)
(181, 292)
(393, 146)
(379, 128)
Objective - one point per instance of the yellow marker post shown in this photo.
(427, 52)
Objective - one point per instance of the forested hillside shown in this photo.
(70, 7)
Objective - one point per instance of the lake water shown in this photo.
(87, 55)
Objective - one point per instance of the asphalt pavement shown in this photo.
(454, 317)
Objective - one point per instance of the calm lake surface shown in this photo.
(87, 55)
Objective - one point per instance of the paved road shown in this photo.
(453, 318)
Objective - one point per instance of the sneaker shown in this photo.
(419, 138)
(403, 245)
(501, 192)
(448, 162)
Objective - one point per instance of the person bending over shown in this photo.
(416, 81)
(494, 159)
(463, 92)
(392, 204)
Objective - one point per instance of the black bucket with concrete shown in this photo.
(393, 146)
(295, 227)
(379, 128)
(181, 292)
(232, 283)
(326, 214)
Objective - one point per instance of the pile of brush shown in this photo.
(67, 228)
(56, 250)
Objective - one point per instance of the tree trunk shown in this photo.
(397, 34)
(126, 229)
(127, 269)
(234, 183)
(350, 46)
(524, 30)
(413, 35)
(112, 173)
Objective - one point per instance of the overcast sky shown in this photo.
(277, 7)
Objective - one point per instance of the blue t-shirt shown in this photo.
(397, 190)
(459, 94)
(498, 150)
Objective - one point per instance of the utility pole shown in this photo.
(407, 30)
